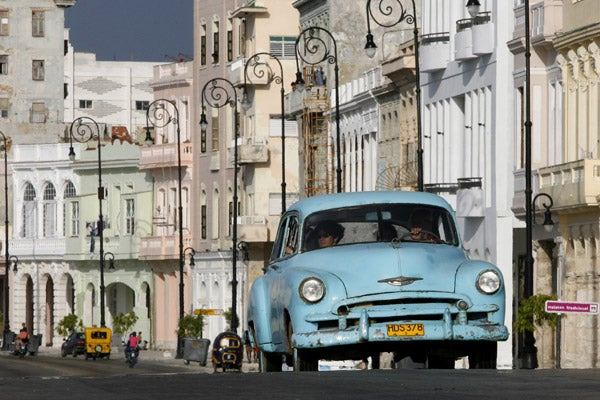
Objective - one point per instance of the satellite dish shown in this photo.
(397, 178)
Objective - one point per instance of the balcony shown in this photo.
(483, 34)
(546, 21)
(236, 74)
(38, 247)
(434, 52)
(253, 228)
(463, 40)
(165, 155)
(572, 185)
(162, 247)
(469, 198)
(252, 151)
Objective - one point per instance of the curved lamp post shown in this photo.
(548, 223)
(161, 113)
(82, 130)
(260, 69)
(192, 254)
(312, 49)
(111, 259)
(219, 92)
(6, 252)
(392, 17)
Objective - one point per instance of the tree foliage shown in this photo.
(190, 326)
(69, 324)
(532, 312)
(122, 323)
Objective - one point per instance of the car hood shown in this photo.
(385, 267)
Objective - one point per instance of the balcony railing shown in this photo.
(253, 228)
(252, 150)
(469, 198)
(573, 184)
(26, 247)
(165, 155)
(435, 51)
(162, 247)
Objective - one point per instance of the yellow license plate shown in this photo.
(405, 329)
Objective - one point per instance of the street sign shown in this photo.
(571, 307)
(208, 311)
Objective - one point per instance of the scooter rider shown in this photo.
(132, 344)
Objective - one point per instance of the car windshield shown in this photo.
(379, 223)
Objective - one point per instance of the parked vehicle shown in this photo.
(97, 342)
(353, 274)
(73, 345)
(228, 352)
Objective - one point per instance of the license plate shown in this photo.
(405, 329)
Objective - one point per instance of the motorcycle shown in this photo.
(131, 356)
(21, 349)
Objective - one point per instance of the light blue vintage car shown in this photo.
(355, 274)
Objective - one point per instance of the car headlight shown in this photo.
(488, 282)
(312, 290)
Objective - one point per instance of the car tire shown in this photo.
(483, 355)
(63, 353)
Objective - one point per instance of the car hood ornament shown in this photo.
(400, 280)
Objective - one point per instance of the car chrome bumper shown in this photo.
(446, 329)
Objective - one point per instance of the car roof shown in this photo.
(310, 205)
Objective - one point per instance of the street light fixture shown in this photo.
(159, 114)
(6, 252)
(262, 69)
(219, 92)
(192, 254)
(84, 129)
(473, 7)
(398, 16)
(312, 49)
(111, 259)
(12, 260)
(548, 223)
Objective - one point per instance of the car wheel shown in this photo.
(63, 352)
(74, 351)
(483, 355)
(305, 360)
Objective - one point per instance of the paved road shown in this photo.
(158, 377)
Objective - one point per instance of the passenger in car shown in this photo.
(329, 233)
(421, 226)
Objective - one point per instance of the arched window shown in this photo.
(70, 211)
(29, 218)
(49, 210)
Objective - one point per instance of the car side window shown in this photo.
(286, 242)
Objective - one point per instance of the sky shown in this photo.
(132, 30)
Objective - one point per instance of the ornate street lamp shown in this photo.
(161, 113)
(548, 223)
(392, 17)
(6, 252)
(111, 259)
(260, 69)
(82, 130)
(312, 49)
(218, 93)
(192, 254)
